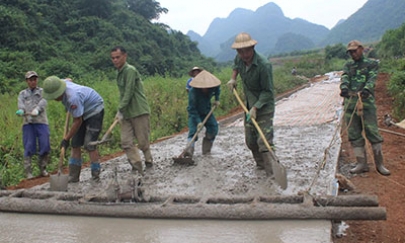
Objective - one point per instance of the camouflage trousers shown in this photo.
(252, 137)
(356, 124)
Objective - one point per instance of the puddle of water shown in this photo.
(66, 229)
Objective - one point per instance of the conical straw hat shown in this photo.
(205, 80)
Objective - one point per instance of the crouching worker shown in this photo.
(203, 87)
(86, 107)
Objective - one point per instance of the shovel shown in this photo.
(280, 174)
(107, 134)
(59, 181)
(188, 160)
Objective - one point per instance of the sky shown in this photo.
(197, 15)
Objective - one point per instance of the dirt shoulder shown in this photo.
(390, 189)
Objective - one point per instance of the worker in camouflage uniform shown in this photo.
(202, 88)
(257, 82)
(32, 107)
(359, 76)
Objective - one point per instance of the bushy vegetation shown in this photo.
(391, 49)
(74, 37)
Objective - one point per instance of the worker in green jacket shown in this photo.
(257, 83)
(133, 111)
(359, 76)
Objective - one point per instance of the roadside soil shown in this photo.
(388, 189)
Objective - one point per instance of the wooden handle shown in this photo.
(198, 130)
(62, 150)
(253, 121)
(110, 129)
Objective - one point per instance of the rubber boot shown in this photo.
(42, 163)
(378, 160)
(95, 171)
(148, 158)
(257, 156)
(27, 167)
(134, 159)
(74, 173)
(207, 145)
(189, 152)
(267, 163)
(361, 157)
(137, 166)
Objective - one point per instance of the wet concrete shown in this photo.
(307, 143)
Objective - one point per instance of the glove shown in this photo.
(35, 112)
(251, 114)
(119, 116)
(364, 94)
(200, 126)
(231, 84)
(20, 112)
(64, 144)
(216, 103)
(344, 93)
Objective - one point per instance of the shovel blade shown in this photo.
(183, 160)
(59, 182)
(280, 174)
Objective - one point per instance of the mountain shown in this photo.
(276, 33)
(369, 23)
(266, 25)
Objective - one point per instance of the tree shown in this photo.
(149, 9)
(335, 51)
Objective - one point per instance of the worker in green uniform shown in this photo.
(203, 88)
(359, 76)
(133, 111)
(257, 82)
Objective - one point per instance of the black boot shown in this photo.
(378, 160)
(257, 156)
(267, 162)
(189, 152)
(137, 166)
(74, 173)
(95, 171)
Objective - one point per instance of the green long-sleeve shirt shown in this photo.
(257, 82)
(133, 101)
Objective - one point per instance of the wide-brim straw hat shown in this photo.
(205, 80)
(193, 69)
(243, 40)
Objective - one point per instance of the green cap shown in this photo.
(53, 87)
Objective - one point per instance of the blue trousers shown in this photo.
(36, 136)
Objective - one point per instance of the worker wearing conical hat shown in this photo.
(193, 72)
(203, 87)
(257, 83)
